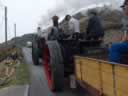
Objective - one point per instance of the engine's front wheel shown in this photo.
(35, 54)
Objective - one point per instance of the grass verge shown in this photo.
(22, 75)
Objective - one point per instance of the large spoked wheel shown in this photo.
(53, 65)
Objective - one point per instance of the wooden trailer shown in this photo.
(101, 78)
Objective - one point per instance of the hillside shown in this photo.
(20, 41)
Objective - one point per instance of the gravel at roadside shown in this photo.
(15, 91)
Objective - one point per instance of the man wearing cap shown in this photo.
(55, 32)
(118, 50)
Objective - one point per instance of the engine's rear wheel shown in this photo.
(54, 67)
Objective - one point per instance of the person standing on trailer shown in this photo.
(119, 51)
(95, 29)
(65, 25)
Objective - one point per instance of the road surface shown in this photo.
(38, 86)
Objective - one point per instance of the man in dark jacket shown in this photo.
(119, 51)
(94, 30)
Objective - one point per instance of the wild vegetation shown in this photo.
(13, 70)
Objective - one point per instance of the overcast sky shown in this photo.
(28, 14)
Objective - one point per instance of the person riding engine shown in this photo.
(73, 27)
(95, 29)
(56, 31)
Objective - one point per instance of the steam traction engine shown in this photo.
(58, 56)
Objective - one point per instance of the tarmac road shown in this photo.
(38, 86)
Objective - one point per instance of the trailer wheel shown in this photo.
(54, 68)
(35, 55)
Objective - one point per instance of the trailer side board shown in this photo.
(101, 78)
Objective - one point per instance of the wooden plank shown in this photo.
(107, 78)
(78, 71)
(90, 70)
(78, 75)
(121, 71)
(92, 64)
(84, 68)
(95, 83)
(91, 76)
(90, 89)
(90, 73)
(121, 80)
(108, 90)
(106, 67)
(122, 84)
(84, 62)
(85, 73)
(78, 68)
(119, 93)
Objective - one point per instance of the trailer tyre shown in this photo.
(56, 66)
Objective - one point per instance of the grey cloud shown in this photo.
(68, 7)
